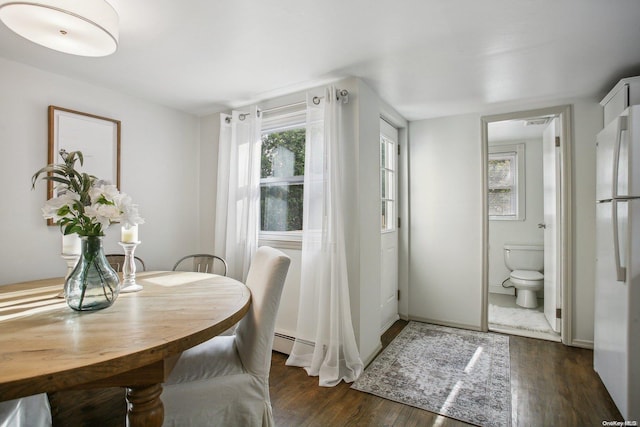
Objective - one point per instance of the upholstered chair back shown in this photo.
(254, 334)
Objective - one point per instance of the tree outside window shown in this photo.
(282, 180)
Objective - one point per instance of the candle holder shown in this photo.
(129, 268)
(72, 260)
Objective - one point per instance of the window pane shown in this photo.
(501, 172)
(388, 208)
(281, 207)
(383, 185)
(283, 153)
(384, 216)
(387, 184)
(390, 185)
(503, 195)
(389, 157)
(501, 202)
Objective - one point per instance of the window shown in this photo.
(387, 183)
(506, 182)
(282, 174)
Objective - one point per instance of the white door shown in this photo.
(388, 225)
(551, 183)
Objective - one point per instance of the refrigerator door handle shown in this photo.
(622, 126)
(621, 272)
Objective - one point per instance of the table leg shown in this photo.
(144, 406)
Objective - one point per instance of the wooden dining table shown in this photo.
(45, 346)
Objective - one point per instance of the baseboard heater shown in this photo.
(284, 343)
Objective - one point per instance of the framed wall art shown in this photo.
(97, 137)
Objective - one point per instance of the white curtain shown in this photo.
(238, 195)
(325, 343)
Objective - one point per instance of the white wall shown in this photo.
(587, 116)
(445, 253)
(208, 164)
(527, 231)
(367, 204)
(159, 170)
(448, 291)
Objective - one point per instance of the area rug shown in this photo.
(521, 318)
(453, 372)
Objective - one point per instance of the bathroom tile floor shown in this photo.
(523, 328)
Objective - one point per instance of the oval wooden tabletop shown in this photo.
(46, 346)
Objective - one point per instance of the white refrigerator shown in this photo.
(617, 293)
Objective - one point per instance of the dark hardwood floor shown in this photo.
(551, 385)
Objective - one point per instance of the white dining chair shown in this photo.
(225, 381)
(27, 411)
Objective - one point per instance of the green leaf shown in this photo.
(57, 179)
(73, 156)
(68, 229)
(104, 201)
(64, 210)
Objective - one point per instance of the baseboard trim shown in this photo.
(445, 323)
(373, 355)
(388, 325)
(582, 344)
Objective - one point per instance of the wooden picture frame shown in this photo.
(97, 137)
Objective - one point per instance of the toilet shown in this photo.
(526, 262)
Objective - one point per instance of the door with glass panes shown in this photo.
(388, 225)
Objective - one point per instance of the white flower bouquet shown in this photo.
(84, 204)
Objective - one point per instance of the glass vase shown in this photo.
(93, 284)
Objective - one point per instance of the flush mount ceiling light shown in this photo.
(78, 27)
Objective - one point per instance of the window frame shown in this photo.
(282, 119)
(518, 151)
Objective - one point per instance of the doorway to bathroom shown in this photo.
(526, 234)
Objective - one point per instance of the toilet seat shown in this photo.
(527, 275)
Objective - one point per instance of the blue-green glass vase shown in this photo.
(93, 284)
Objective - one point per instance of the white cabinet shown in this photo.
(624, 94)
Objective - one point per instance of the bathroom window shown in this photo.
(506, 182)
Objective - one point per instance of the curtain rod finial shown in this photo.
(342, 95)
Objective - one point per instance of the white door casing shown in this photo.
(388, 225)
(552, 200)
(565, 245)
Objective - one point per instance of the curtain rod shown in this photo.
(282, 107)
(340, 93)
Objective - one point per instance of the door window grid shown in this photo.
(387, 184)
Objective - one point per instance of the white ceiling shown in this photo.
(426, 58)
(514, 130)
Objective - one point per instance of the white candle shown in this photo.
(71, 244)
(129, 233)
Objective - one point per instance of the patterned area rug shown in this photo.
(453, 372)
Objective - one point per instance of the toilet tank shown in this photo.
(524, 257)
